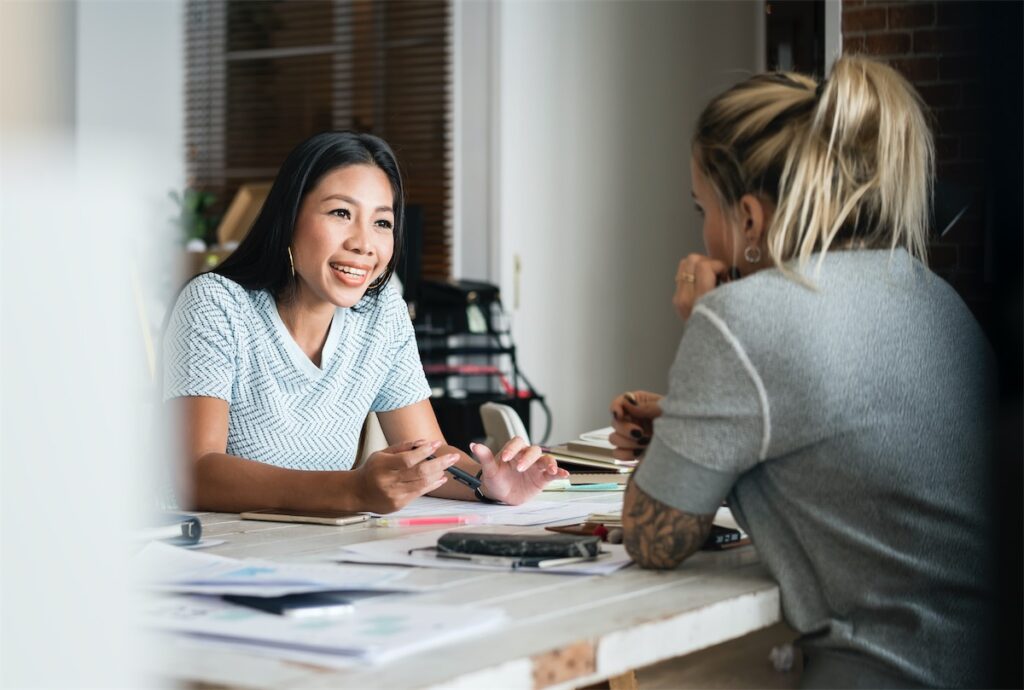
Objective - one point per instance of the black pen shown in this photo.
(462, 476)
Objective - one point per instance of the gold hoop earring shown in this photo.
(291, 261)
(752, 254)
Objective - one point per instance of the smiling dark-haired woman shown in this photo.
(275, 358)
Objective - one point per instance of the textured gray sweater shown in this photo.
(848, 426)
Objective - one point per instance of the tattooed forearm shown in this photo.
(659, 536)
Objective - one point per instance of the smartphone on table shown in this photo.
(304, 605)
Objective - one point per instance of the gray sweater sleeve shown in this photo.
(715, 421)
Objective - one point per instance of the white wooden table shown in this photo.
(562, 631)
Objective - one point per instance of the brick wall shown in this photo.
(937, 46)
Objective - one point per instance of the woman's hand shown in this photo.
(393, 477)
(633, 416)
(697, 275)
(518, 473)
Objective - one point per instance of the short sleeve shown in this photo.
(714, 424)
(199, 346)
(405, 382)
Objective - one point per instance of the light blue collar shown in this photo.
(299, 358)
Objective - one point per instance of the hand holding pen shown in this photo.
(633, 415)
(394, 477)
(513, 475)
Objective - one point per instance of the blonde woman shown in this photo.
(835, 392)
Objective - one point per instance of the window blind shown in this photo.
(263, 76)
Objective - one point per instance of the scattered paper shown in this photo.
(205, 544)
(184, 646)
(413, 550)
(167, 568)
(606, 502)
(724, 518)
(377, 631)
(531, 513)
(598, 436)
(587, 487)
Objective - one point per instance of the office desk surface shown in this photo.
(562, 631)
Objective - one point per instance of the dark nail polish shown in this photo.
(643, 441)
(636, 434)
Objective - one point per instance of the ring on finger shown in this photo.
(683, 277)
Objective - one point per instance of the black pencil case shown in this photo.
(520, 545)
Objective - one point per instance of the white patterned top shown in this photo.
(226, 342)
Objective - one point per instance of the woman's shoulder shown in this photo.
(386, 307)
(846, 287)
(755, 294)
(215, 294)
(838, 275)
(212, 285)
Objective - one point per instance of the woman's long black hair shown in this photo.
(261, 260)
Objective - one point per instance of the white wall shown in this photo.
(37, 66)
(833, 33)
(130, 93)
(90, 143)
(474, 89)
(595, 106)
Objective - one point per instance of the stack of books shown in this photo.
(609, 519)
(589, 459)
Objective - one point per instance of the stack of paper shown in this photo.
(375, 632)
(609, 519)
(165, 568)
(591, 451)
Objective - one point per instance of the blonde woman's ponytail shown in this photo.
(863, 170)
(849, 163)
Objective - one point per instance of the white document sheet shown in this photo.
(205, 544)
(412, 550)
(531, 513)
(375, 632)
(180, 648)
(599, 436)
(724, 518)
(606, 500)
(165, 568)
